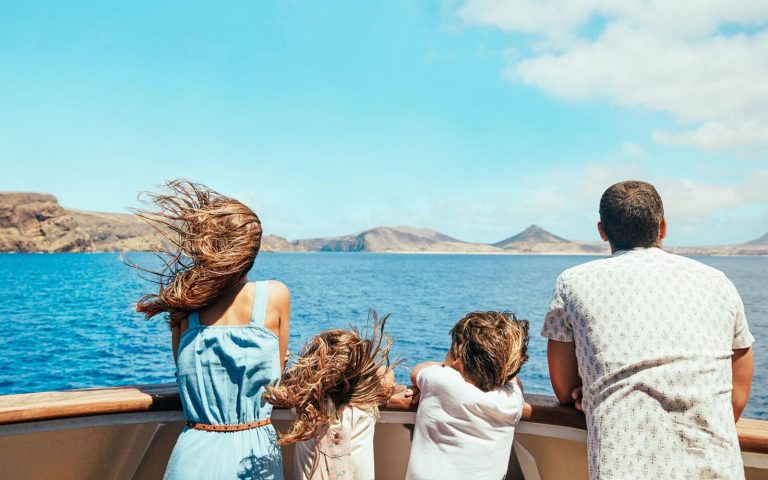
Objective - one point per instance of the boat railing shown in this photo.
(68, 404)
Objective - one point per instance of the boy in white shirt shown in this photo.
(469, 405)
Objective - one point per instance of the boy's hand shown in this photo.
(414, 394)
(402, 397)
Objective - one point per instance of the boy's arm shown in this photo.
(415, 393)
(418, 368)
(742, 365)
(563, 370)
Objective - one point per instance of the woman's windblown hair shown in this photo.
(335, 369)
(213, 242)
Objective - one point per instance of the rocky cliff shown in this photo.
(274, 243)
(35, 222)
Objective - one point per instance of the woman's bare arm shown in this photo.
(281, 296)
(176, 338)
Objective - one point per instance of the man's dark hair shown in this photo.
(631, 213)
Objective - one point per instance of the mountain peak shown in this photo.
(759, 241)
(532, 234)
(534, 229)
(403, 232)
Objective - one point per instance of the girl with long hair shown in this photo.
(335, 387)
(229, 335)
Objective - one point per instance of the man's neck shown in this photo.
(614, 249)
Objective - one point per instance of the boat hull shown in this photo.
(122, 435)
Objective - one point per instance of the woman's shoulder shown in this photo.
(276, 288)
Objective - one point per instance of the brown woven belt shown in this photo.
(229, 428)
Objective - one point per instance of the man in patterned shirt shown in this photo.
(654, 348)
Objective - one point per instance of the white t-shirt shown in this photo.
(462, 432)
(362, 425)
(654, 334)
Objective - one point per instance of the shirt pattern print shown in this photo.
(654, 334)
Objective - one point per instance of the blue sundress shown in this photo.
(222, 373)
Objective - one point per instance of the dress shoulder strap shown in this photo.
(259, 312)
(193, 320)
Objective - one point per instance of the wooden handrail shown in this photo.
(31, 407)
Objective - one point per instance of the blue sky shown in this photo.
(474, 118)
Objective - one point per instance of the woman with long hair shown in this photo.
(229, 335)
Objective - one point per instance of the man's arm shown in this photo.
(563, 370)
(742, 365)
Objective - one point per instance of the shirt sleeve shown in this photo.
(742, 337)
(558, 323)
(426, 376)
(519, 399)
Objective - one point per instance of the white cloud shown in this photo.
(690, 198)
(683, 197)
(715, 136)
(653, 55)
(556, 18)
(566, 203)
(700, 211)
(697, 210)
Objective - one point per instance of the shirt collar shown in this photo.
(633, 250)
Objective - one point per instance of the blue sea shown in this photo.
(68, 319)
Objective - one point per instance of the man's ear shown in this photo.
(663, 230)
(601, 231)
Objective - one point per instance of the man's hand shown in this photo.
(577, 395)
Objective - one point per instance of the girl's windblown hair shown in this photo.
(334, 369)
(213, 241)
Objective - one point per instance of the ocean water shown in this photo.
(68, 320)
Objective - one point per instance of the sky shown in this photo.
(475, 118)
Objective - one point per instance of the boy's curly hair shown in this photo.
(342, 366)
(492, 347)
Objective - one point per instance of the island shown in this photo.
(36, 222)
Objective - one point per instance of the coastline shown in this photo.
(409, 252)
(37, 223)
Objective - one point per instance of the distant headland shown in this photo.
(35, 222)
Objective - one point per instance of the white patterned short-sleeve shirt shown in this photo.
(654, 334)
